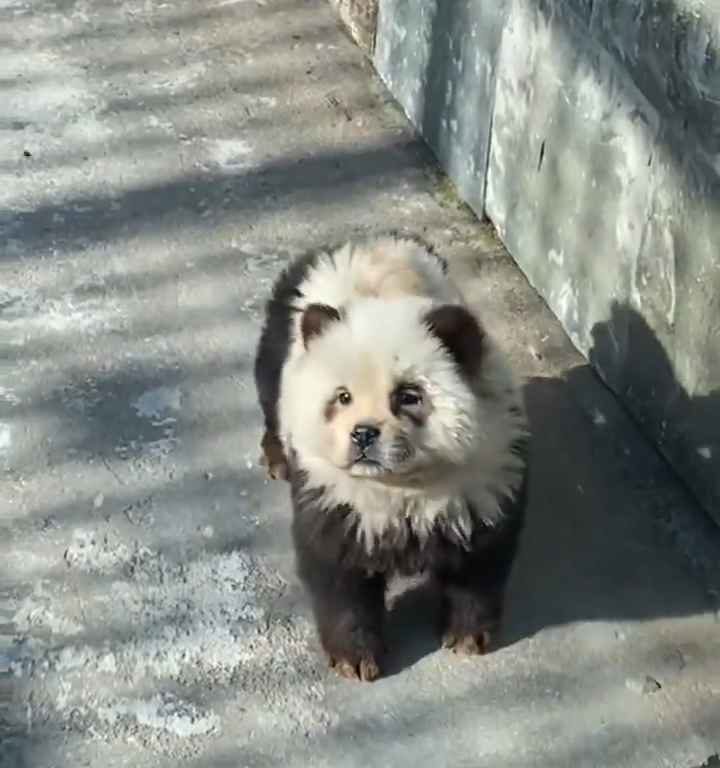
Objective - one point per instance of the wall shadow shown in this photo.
(632, 361)
(611, 529)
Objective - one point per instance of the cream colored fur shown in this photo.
(462, 453)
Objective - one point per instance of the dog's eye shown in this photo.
(408, 398)
(344, 397)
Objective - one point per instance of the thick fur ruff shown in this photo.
(403, 435)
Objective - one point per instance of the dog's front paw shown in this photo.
(366, 668)
(358, 655)
(276, 470)
(469, 644)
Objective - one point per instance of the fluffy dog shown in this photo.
(402, 433)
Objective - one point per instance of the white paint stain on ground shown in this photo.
(158, 403)
(153, 451)
(5, 438)
(229, 154)
(163, 712)
(8, 396)
(705, 452)
(152, 121)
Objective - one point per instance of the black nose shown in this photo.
(364, 436)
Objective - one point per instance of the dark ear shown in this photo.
(460, 333)
(315, 320)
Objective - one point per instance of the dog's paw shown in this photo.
(276, 470)
(273, 458)
(475, 644)
(366, 669)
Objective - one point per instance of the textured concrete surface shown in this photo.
(160, 163)
(602, 177)
(360, 18)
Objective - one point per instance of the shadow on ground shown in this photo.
(604, 512)
(633, 362)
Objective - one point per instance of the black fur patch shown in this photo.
(274, 344)
(460, 333)
(316, 319)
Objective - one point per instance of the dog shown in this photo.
(401, 430)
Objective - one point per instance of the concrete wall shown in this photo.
(589, 132)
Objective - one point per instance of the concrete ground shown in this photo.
(160, 162)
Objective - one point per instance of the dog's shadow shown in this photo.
(590, 550)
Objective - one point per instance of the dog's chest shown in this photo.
(392, 515)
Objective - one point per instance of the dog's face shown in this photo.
(385, 391)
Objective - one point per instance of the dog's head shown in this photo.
(385, 390)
